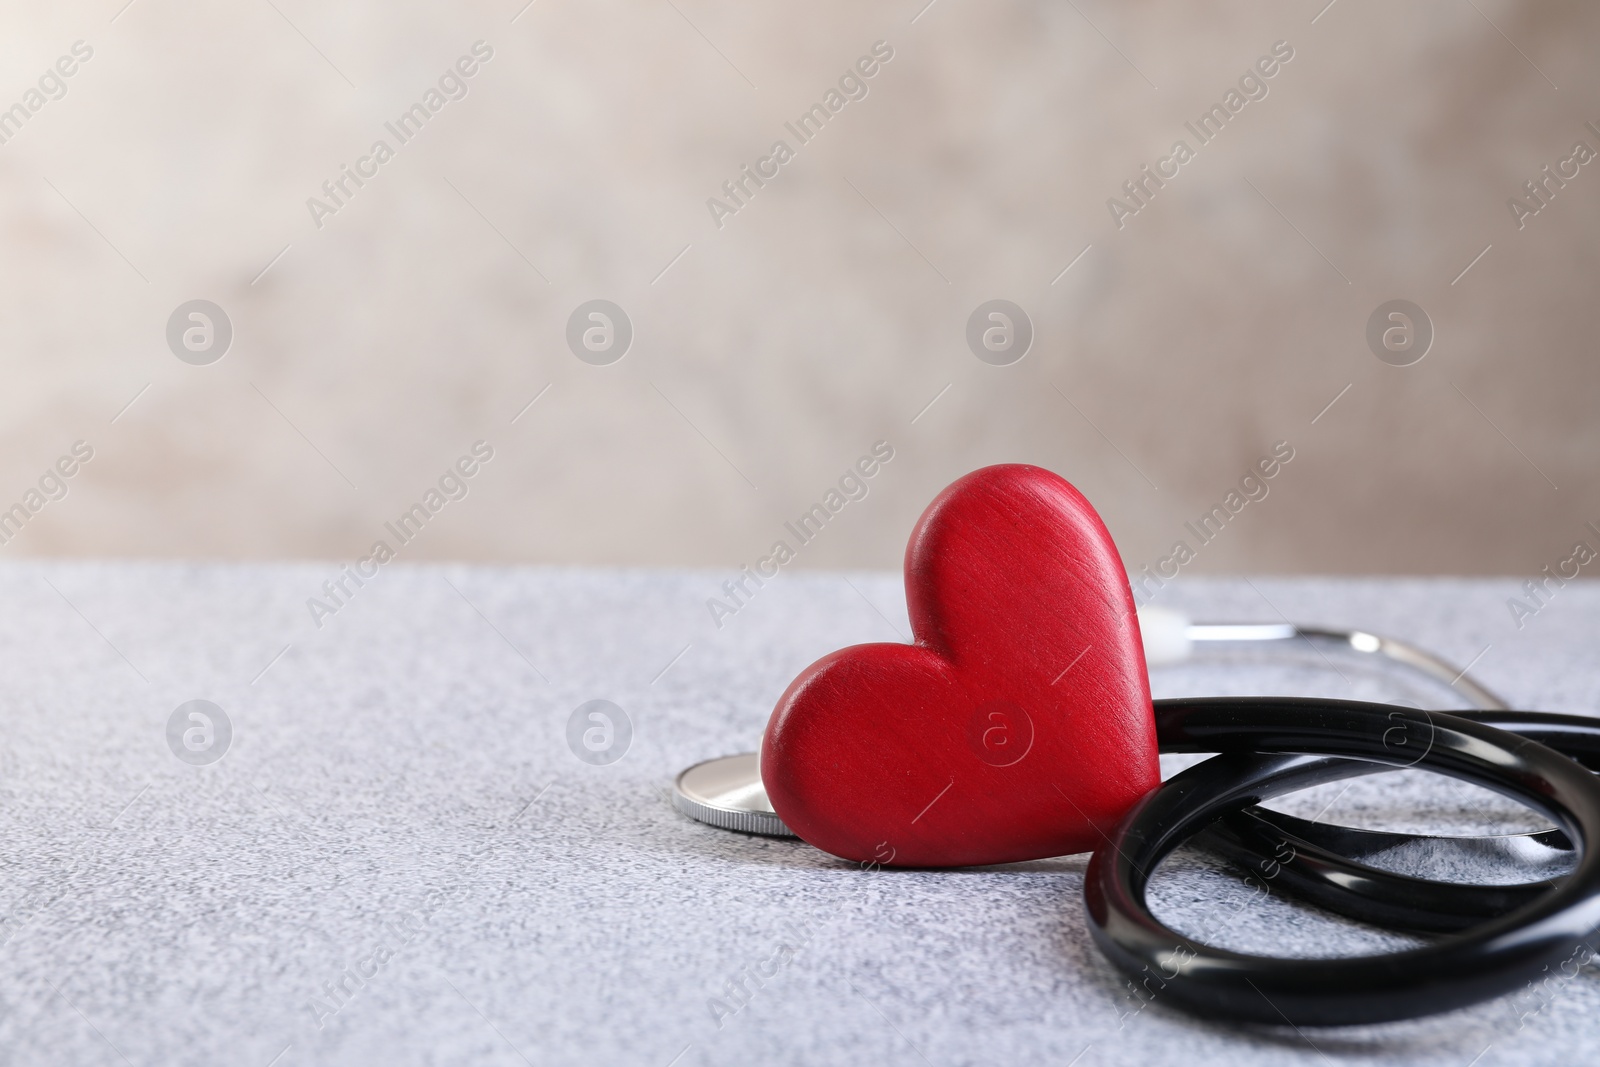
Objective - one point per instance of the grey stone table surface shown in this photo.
(400, 860)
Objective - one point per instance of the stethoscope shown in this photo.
(728, 793)
(1489, 939)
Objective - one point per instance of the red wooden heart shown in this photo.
(1018, 725)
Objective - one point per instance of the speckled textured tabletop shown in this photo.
(399, 859)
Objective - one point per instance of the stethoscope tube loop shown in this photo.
(1321, 862)
(1270, 746)
(1259, 843)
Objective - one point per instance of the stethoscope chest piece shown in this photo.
(727, 792)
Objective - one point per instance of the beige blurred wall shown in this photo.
(831, 309)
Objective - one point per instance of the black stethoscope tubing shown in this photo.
(1320, 862)
(1270, 746)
